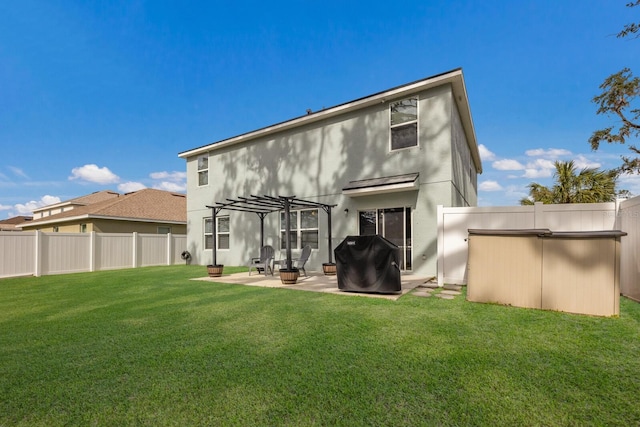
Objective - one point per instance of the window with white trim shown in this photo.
(203, 170)
(403, 123)
(223, 232)
(304, 229)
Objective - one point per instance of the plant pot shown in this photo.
(289, 277)
(215, 270)
(329, 268)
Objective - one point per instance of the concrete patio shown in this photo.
(318, 282)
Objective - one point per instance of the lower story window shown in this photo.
(223, 232)
(304, 229)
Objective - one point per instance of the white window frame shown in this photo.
(201, 170)
(218, 232)
(397, 125)
(298, 230)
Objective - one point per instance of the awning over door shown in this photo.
(388, 184)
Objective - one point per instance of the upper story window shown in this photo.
(203, 170)
(83, 228)
(403, 121)
(164, 229)
(304, 229)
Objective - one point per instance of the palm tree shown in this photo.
(590, 185)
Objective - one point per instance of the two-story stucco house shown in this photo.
(386, 160)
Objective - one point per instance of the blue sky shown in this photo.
(104, 95)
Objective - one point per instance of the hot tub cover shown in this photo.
(368, 264)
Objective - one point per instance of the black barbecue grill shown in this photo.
(368, 264)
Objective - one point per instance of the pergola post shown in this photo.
(287, 230)
(262, 215)
(328, 210)
(214, 236)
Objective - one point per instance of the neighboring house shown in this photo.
(10, 224)
(68, 205)
(386, 160)
(144, 211)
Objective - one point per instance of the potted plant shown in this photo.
(215, 270)
(329, 268)
(289, 276)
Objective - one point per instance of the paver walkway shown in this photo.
(431, 288)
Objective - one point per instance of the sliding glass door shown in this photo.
(394, 224)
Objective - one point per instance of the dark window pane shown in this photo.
(203, 163)
(223, 224)
(223, 241)
(293, 238)
(203, 178)
(208, 242)
(293, 217)
(309, 219)
(367, 223)
(310, 238)
(404, 111)
(208, 222)
(404, 136)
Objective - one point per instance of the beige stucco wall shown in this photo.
(315, 162)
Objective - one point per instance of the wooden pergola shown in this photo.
(264, 205)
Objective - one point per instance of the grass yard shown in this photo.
(150, 347)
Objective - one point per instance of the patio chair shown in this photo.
(265, 260)
(304, 257)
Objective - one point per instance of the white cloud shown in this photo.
(49, 200)
(5, 207)
(485, 154)
(553, 153)
(629, 182)
(171, 186)
(19, 172)
(507, 165)
(170, 176)
(537, 173)
(28, 207)
(170, 181)
(490, 186)
(93, 173)
(128, 187)
(582, 162)
(539, 168)
(541, 164)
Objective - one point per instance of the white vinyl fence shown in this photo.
(38, 254)
(454, 223)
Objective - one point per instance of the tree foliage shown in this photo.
(619, 98)
(589, 185)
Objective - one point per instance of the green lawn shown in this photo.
(150, 347)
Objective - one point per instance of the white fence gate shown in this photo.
(453, 224)
(37, 253)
